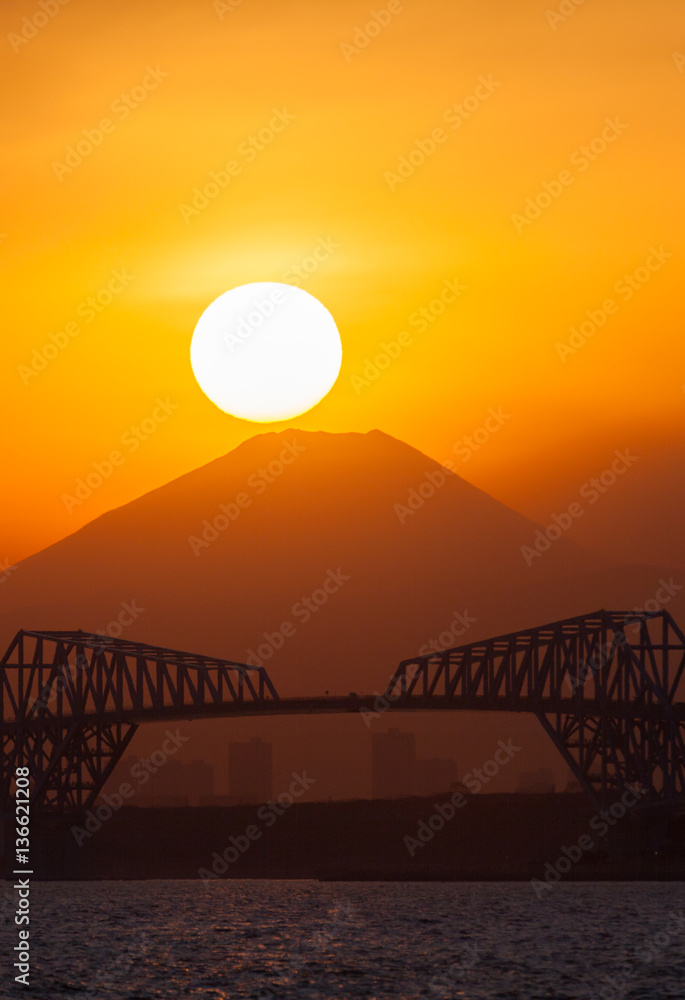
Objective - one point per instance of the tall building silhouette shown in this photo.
(175, 783)
(435, 775)
(393, 764)
(199, 781)
(396, 772)
(250, 771)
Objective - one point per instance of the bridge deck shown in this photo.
(375, 705)
(608, 688)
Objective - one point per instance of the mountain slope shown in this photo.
(326, 557)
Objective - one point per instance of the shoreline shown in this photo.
(506, 837)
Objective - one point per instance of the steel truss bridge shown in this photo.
(605, 686)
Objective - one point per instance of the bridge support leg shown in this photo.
(70, 766)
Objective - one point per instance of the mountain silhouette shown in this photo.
(326, 557)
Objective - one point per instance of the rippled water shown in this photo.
(260, 939)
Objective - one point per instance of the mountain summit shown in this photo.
(325, 557)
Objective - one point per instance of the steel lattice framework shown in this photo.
(70, 703)
(607, 688)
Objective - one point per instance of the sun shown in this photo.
(266, 351)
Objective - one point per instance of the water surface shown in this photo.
(301, 940)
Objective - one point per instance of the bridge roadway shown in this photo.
(373, 704)
(608, 689)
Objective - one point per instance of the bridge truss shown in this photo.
(607, 688)
(70, 703)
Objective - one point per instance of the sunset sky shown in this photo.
(186, 85)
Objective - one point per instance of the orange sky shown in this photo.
(201, 82)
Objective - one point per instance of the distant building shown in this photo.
(396, 772)
(175, 783)
(214, 800)
(162, 801)
(435, 775)
(393, 764)
(167, 781)
(536, 782)
(250, 772)
(199, 781)
(166, 787)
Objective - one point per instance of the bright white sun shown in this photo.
(266, 351)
